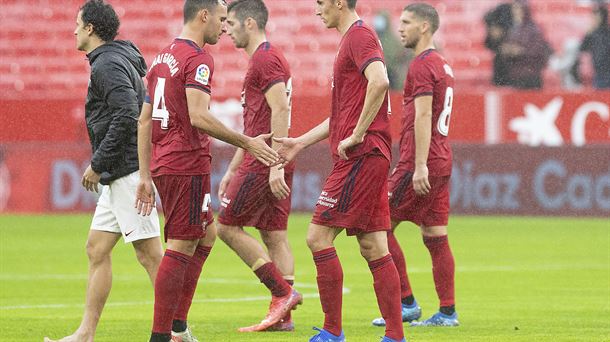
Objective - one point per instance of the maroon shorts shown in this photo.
(248, 201)
(355, 196)
(429, 210)
(186, 205)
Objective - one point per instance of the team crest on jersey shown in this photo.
(203, 74)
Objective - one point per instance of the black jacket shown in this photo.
(114, 100)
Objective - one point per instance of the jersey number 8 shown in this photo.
(443, 119)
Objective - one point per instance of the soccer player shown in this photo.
(251, 193)
(176, 119)
(419, 185)
(114, 99)
(354, 196)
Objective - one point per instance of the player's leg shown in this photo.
(329, 275)
(149, 253)
(280, 253)
(191, 278)
(374, 248)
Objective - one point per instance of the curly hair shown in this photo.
(102, 16)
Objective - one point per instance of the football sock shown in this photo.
(155, 337)
(408, 301)
(330, 287)
(290, 281)
(191, 277)
(271, 277)
(401, 267)
(387, 289)
(447, 310)
(443, 268)
(168, 286)
(178, 326)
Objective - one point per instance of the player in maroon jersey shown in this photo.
(354, 196)
(177, 121)
(419, 185)
(251, 193)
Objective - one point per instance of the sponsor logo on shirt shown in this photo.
(203, 74)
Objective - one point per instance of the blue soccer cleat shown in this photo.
(439, 319)
(409, 313)
(387, 339)
(325, 336)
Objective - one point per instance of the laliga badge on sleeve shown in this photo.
(203, 74)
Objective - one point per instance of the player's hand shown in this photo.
(90, 179)
(346, 144)
(278, 185)
(420, 180)
(145, 197)
(289, 150)
(260, 150)
(224, 183)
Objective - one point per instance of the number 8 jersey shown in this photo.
(428, 75)
(178, 147)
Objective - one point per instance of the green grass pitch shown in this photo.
(518, 279)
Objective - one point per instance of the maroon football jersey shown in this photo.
(178, 147)
(267, 67)
(359, 47)
(429, 74)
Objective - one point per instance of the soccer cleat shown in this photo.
(439, 319)
(282, 326)
(278, 309)
(409, 313)
(185, 336)
(387, 339)
(325, 336)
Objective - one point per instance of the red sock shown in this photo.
(443, 268)
(271, 277)
(191, 277)
(288, 316)
(387, 289)
(330, 287)
(401, 265)
(168, 286)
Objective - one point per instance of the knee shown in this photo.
(317, 243)
(148, 256)
(96, 253)
(274, 241)
(372, 251)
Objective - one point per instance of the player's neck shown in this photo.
(255, 41)
(347, 21)
(425, 43)
(94, 44)
(191, 34)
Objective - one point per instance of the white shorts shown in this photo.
(116, 212)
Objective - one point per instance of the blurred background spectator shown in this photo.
(597, 43)
(498, 23)
(521, 50)
(396, 56)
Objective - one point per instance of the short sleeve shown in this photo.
(270, 71)
(422, 79)
(364, 48)
(198, 72)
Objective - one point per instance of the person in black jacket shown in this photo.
(597, 42)
(114, 99)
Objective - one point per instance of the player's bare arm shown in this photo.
(201, 118)
(145, 193)
(280, 111)
(233, 166)
(423, 134)
(292, 146)
(378, 85)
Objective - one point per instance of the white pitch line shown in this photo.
(138, 303)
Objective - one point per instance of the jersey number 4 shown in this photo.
(160, 113)
(443, 119)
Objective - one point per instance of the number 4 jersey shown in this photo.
(429, 75)
(178, 147)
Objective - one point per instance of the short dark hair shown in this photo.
(192, 7)
(102, 17)
(254, 9)
(426, 12)
(351, 4)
